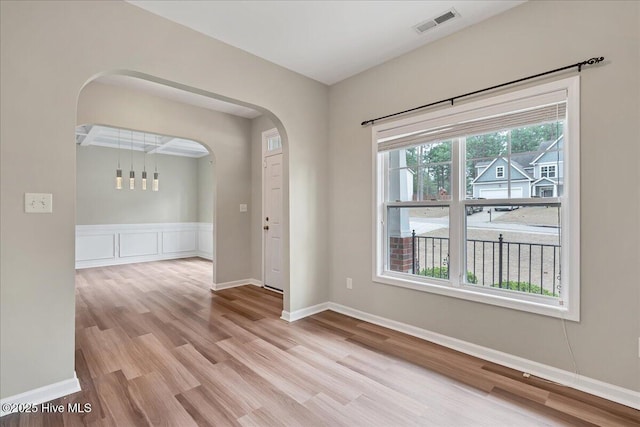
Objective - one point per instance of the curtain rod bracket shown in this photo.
(579, 65)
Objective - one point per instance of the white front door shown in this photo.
(273, 221)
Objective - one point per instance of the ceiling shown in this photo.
(325, 40)
(125, 139)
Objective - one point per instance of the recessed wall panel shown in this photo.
(138, 244)
(91, 247)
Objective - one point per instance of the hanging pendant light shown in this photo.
(118, 171)
(144, 163)
(156, 181)
(132, 174)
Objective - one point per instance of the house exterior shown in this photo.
(532, 174)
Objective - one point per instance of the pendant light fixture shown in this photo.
(156, 181)
(132, 174)
(144, 163)
(118, 171)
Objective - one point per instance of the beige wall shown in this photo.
(48, 51)
(205, 189)
(525, 40)
(41, 77)
(98, 201)
(258, 125)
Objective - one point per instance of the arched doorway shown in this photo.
(131, 100)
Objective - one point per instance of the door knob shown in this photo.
(266, 227)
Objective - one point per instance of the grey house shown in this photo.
(533, 174)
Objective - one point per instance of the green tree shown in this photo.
(431, 167)
(529, 138)
(484, 148)
(437, 161)
(487, 146)
(431, 163)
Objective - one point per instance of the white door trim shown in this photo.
(266, 153)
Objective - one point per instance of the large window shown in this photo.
(480, 201)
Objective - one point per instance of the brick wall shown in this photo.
(401, 252)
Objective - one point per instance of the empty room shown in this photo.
(319, 213)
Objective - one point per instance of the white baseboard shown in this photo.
(204, 255)
(234, 284)
(579, 382)
(589, 385)
(304, 312)
(40, 395)
(274, 290)
(136, 260)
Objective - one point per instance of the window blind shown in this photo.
(493, 118)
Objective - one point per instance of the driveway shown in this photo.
(530, 220)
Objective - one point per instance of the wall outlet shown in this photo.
(38, 202)
(243, 207)
(349, 283)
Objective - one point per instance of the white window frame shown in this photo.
(499, 171)
(548, 175)
(567, 306)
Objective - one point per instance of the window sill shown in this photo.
(532, 304)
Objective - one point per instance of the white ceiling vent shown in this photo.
(434, 22)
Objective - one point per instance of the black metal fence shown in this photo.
(520, 266)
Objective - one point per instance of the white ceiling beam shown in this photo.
(88, 139)
(164, 141)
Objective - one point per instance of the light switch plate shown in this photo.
(243, 207)
(38, 202)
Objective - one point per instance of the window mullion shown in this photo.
(456, 210)
(382, 215)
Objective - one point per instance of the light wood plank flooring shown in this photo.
(154, 346)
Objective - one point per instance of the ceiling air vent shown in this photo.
(438, 20)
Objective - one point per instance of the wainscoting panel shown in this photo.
(179, 241)
(205, 240)
(93, 247)
(113, 244)
(138, 244)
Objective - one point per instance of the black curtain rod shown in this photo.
(579, 65)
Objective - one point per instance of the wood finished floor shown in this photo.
(154, 346)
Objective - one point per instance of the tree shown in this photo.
(431, 163)
(431, 167)
(487, 146)
(529, 138)
(484, 148)
(437, 162)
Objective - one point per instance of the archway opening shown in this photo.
(146, 104)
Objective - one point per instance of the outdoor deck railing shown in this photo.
(521, 266)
